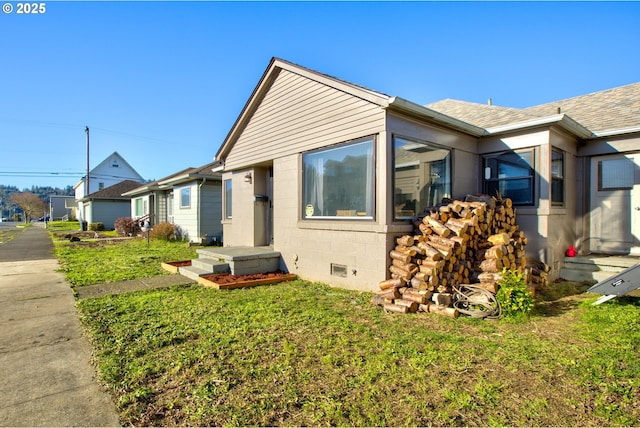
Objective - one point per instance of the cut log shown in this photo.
(491, 265)
(392, 307)
(396, 255)
(499, 238)
(405, 275)
(390, 294)
(432, 308)
(409, 304)
(437, 227)
(391, 283)
(405, 240)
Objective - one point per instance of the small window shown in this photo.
(422, 176)
(100, 186)
(557, 177)
(510, 174)
(616, 174)
(338, 182)
(227, 199)
(185, 197)
(138, 208)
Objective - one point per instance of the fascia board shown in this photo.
(561, 120)
(402, 105)
(615, 132)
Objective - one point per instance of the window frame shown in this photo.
(228, 198)
(449, 168)
(305, 208)
(186, 189)
(556, 179)
(138, 207)
(531, 176)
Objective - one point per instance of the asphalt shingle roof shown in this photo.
(611, 109)
(115, 191)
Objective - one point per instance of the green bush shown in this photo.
(164, 231)
(515, 301)
(126, 226)
(96, 227)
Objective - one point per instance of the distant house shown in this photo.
(329, 173)
(190, 199)
(112, 170)
(61, 207)
(108, 204)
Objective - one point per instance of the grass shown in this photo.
(93, 261)
(302, 353)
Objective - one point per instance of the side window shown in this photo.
(557, 177)
(510, 174)
(185, 197)
(422, 176)
(227, 199)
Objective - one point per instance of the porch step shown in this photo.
(595, 268)
(210, 265)
(195, 272)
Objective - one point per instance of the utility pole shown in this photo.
(86, 184)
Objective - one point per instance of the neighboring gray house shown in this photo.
(61, 207)
(190, 199)
(108, 204)
(328, 173)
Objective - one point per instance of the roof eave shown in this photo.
(561, 120)
(402, 105)
(616, 132)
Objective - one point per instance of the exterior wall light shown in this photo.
(248, 178)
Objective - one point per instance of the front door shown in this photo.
(615, 204)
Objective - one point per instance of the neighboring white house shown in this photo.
(190, 199)
(329, 173)
(112, 170)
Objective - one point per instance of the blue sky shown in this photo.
(163, 82)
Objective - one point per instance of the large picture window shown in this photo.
(422, 176)
(510, 174)
(339, 182)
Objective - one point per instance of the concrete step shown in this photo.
(594, 268)
(193, 272)
(210, 265)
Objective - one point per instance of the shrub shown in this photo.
(126, 226)
(514, 299)
(96, 227)
(163, 231)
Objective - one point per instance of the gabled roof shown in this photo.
(385, 101)
(113, 192)
(120, 158)
(204, 172)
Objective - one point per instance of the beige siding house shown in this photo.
(328, 173)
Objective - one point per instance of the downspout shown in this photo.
(204, 180)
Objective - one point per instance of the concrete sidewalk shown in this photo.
(47, 376)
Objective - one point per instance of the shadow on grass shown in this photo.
(560, 297)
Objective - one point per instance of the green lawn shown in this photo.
(93, 261)
(302, 353)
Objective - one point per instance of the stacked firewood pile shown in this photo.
(459, 242)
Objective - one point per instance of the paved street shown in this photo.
(47, 377)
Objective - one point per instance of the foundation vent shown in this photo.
(338, 270)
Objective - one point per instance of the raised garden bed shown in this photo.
(174, 266)
(229, 281)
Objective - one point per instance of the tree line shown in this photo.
(23, 205)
